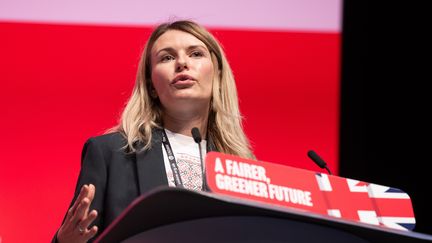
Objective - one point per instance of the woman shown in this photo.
(183, 81)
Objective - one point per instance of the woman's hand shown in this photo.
(78, 218)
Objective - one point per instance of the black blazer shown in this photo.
(118, 177)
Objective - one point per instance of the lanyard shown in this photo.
(176, 172)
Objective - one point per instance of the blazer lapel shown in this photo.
(150, 165)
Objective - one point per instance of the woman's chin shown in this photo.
(190, 94)
(186, 101)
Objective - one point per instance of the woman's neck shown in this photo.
(183, 123)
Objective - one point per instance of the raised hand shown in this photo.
(78, 219)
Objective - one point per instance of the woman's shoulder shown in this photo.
(113, 140)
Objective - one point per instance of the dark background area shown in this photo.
(385, 106)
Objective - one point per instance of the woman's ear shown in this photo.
(152, 90)
(153, 93)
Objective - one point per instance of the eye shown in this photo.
(197, 54)
(166, 58)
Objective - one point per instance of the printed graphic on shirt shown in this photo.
(187, 158)
(190, 171)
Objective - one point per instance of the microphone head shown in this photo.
(196, 135)
(315, 158)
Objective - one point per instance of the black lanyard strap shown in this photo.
(176, 172)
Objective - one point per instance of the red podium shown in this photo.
(253, 201)
(310, 191)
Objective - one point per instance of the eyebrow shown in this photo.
(170, 49)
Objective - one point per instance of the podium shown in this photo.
(179, 215)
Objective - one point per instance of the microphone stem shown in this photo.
(204, 186)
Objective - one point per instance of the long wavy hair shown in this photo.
(143, 113)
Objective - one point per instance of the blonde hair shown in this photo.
(143, 113)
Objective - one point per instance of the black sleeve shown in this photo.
(93, 171)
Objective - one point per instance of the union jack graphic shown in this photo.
(366, 202)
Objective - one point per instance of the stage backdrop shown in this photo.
(68, 67)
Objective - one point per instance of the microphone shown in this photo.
(197, 138)
(320, 162)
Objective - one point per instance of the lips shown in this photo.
(182, 78)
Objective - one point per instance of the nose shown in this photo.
(181, 64)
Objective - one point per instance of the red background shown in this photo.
(61, 84)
